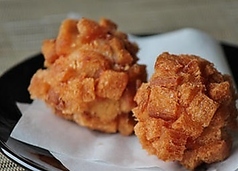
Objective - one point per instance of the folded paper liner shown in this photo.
(79, 148)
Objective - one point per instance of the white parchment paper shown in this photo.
(77, 147)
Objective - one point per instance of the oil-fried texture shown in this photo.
(186, 111)
(91, 75)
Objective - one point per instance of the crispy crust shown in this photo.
(185, 111)
(91, 75)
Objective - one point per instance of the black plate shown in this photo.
(13, 88)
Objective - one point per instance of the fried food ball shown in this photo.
(186, 111)
(91, 75)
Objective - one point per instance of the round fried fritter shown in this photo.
(186, 111)
(91, 75)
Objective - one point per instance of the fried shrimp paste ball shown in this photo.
(186, 111)
(91, 75)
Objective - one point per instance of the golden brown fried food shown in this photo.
(186, 111)
(91, 75)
